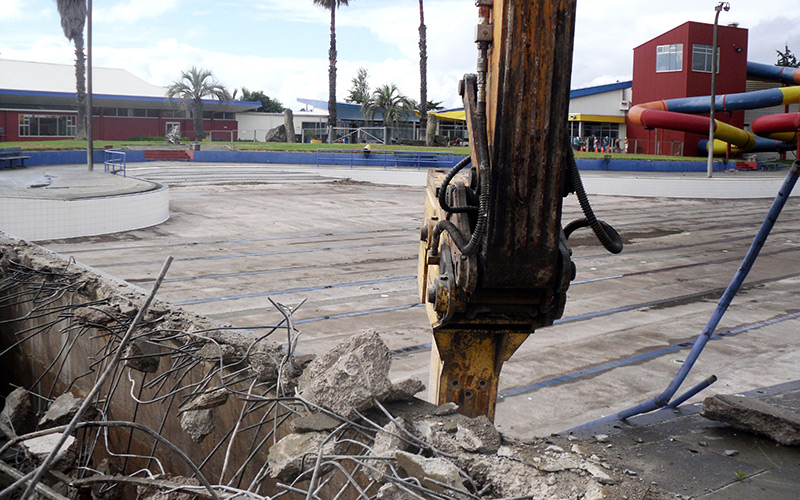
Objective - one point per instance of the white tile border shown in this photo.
(688, 187)
(47, 219)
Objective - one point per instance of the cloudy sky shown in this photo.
(281, 46)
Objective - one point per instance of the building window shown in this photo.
(669, 57)
(701, 58)
(46, 126)
(175, 113)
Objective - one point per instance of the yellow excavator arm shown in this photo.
(494, 261)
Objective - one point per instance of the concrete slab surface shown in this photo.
(693, 457)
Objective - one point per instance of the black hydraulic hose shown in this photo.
(608, 236)
(446, 182)
(468, 248)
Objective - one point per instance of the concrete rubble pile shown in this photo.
(202, 410)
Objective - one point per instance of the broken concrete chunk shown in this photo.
(295, 453)
(445, 409)
(391, 491)
(265, 366)
(207, 400)
(350, 376)
(387, 442)
(102, 314)
(143, 356)
(128, 308)
(430, 471)
(198, 424)
(9, 255)
(39, 449)
(754, 415)
(62, 410)
(212, 352)
(315, 422)
(405, 389)
(18, 412)
(478, 435)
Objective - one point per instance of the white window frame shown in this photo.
(673, 53)
(29, 125)
(169, 126)
(704, 51)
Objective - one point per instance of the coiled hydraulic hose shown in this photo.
(468, 248)
(446, 182)
(608, 236)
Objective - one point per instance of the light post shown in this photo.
(710, 146)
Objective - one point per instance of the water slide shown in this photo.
(770, 133)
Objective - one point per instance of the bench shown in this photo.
(168, 154)
(11, 154)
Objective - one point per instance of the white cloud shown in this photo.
(132, 11)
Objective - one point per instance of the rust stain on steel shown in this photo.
(528, 102)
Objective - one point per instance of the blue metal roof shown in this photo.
(600, 89)
(350, 112)
(572, 95)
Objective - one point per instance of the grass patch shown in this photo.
(72, 144)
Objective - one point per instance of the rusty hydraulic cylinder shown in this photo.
(483, 305)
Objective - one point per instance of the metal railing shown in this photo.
(115, 161)
(383, 158)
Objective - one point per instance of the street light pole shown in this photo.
(89, 105)
(710, 145)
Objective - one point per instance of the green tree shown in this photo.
(359, 92)
(393, 105)
(423, 71)
(268, 104)
(431, 105)
(73, 19)
(191, 88)
(332, 5)
(786, 58)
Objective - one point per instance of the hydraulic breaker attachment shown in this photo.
(494, 263)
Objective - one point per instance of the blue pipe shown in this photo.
(772, 73)
(722, 306)
(691, 392)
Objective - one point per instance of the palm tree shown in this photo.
(391, 103)
(332, 5)
(191, 88)
(423, 72)
(73, 18)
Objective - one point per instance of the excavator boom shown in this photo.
(494, 262)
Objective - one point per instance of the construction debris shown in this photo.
(61, 411)
(350, 377)
(198, 423)
(39, 448)
(297, 452)
(18, 412)
(334, 426)
(754, 415)
(437, 474)
(143, 355)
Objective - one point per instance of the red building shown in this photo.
(678, 64)
(37, 102)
